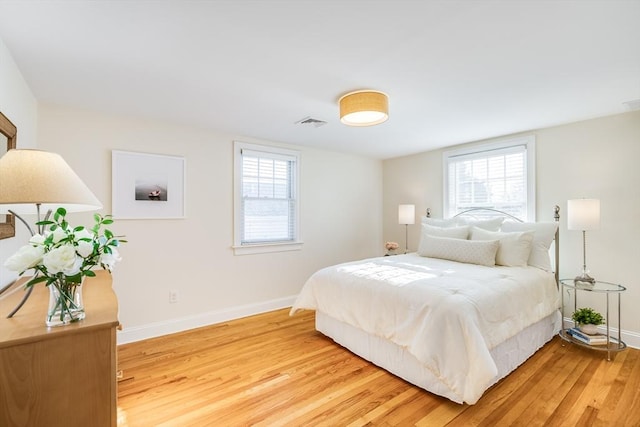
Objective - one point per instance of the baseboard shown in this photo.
(630, 338)
(152, 330)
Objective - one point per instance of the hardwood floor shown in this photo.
(272, 369)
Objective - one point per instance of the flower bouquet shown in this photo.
(390, 247)
(62, 257)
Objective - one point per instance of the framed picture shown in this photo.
(147, 186)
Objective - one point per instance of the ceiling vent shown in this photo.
(307, 121)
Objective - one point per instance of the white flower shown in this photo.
(108, 260)
(58, 234)
(62, 259)
(37, 239)
(83, 234)
(84, 249)
(27, 257)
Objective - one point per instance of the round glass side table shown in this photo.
(613, 344)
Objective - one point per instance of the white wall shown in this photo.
(20, 106)
(594, 159)
(340, 216)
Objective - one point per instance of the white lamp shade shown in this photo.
(406, 214)
(583, 214)
(30, 177)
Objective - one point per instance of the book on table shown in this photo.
(598, 339)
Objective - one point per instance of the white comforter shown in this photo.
(447, 314)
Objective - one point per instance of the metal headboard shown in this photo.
(556, 239)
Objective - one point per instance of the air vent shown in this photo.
(307, 121)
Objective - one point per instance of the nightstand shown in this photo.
(614, 344)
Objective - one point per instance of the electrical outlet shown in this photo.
(174, 297)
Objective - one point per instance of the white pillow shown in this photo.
(451, 222)
(492, 224)
(482, 252)
(514, 249)
(543, 235)
(452, 232)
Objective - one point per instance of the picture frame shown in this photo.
(147, 186)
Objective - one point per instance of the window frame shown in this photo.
(240, 248)
(528, 141)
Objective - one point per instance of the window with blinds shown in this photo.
(497, 176)
(266, 195)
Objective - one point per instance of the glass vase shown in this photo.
(65, 303)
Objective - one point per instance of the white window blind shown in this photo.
(267, 196)
(495, 177)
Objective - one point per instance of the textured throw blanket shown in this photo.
(448, 315)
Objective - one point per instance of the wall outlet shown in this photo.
(174, 297)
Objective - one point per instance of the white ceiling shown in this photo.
(455, 71)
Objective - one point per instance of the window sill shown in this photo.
(267, 248)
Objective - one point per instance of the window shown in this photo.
(497, 176)
(266, 199)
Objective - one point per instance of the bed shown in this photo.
(475, 301)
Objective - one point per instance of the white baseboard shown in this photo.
(631, 339)
(152, 330)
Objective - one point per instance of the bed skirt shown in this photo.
(507, 356)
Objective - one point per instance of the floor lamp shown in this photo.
(406, 216)
(583, 215)
(35, 181)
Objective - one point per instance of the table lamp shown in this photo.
(406, 216)
(32, 181)
(584, 215)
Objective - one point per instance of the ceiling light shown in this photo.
(364, 108)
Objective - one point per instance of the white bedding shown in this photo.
(448, 315)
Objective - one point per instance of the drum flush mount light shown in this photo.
(364, 108)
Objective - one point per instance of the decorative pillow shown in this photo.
(452, 232)
(543, 235)
(514, 249)
(482, 252)
(492, 224)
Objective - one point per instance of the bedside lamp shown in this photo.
(406, 216)
(33, 180)
(584, 215)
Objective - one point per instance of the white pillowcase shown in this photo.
(492, 224)
(451, 222)
(482, 252)
(452, 232)
(514, 249)
(543, 235)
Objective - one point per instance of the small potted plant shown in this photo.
(588, 320)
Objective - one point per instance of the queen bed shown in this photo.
(477, 299)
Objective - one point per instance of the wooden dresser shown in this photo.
(61, 376)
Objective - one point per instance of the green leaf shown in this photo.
(45, 222)
(61, 211)
(96, 217)
(78, 228)
(89, 273)
(36, 280)
(108, 234)
(53, 227)
(107, 221)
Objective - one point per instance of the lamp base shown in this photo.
(584, 278)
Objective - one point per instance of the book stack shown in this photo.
(598, 339)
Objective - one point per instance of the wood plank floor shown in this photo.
(273, 370)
